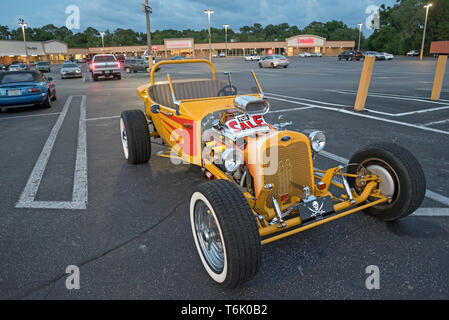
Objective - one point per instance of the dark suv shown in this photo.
(135, 64)
(350, 55)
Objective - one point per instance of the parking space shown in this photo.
(70, 198)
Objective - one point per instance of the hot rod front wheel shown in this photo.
(135, 136)
(225, 233)
(402, 177)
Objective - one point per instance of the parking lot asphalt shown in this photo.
(132, 240)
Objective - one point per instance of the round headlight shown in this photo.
(317, 141)
(232, 159)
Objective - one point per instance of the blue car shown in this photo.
(25, 88)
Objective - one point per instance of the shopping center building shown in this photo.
(53, 51)
(188, 48)
(57, 52)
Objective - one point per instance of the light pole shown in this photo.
(23, 24)
(148, 10)
(360, 33)
(102, 39)
(424, 32)
(226, 26)
(209, 12)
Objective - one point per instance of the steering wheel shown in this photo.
(227, 91)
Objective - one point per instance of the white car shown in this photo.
(413, 53)
(222, 55)
(305, 55)
(70, 70)
(388, 56)
(252, 57)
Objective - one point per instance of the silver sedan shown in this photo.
(274, 61)
(70, 70)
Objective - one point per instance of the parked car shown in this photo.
(413, 53)
(388, 56)
(106, 65)
(214, 55)
(252, 57)
(25, 88)
(136, 64)
(222, 55)
(260, 184)
(70, 70)
(274, 61)
(43, 66)
(316, 55)
(2, 67)
(14, 67)
(304, 55)
(350, 55)
(376, 54)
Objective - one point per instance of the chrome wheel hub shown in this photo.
(387, 186)
(209, 237)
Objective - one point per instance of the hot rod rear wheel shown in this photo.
(402, 178)
(135, 136)
(225, 233)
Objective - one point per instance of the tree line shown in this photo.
(401, 26)
(90, 37)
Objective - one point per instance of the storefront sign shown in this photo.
(178, 44)
(306, 41)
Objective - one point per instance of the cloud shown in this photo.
(188, 14)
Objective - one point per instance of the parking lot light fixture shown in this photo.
(23, 24)
(147, 9)
(424, 32)
(360, 33)
(226, 26)
(102, 39)
(209, 12)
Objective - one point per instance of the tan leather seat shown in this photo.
(185, 89)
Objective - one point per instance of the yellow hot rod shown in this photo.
(262, 185)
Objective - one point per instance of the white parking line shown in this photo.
(392, 97)
(435, 122)
(408, 113)
(309, 100)
(370, 110)
(31, 116)
(429, 194)
(362, 115)
(288, 110)
(79, 195)
(103, 118)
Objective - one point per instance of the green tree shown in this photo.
(4, 33)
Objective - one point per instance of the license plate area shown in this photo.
(17, 92)
(315, 209)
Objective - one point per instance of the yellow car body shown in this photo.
(286, 201)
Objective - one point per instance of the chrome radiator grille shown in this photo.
(293, 170)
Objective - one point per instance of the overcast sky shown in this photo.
(184, 14)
